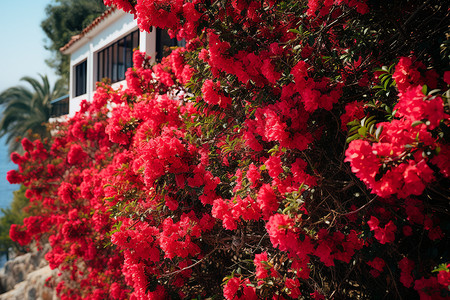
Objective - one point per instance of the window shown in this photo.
(80, 78)
(60, 107)
(114, 60)
(164, 43)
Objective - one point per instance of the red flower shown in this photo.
(406, 266)
(268, 70)
(413, 105)
(317, 296)
(27, 145)
(18, 235)
(444, 277)
(76, 155)
(447, 77)
(14, 177)
(253, 174)
(377, 263)
(353, 110)
(267, 200)
(231, 288)
(274, 166)
(293, 285)
(16, 158)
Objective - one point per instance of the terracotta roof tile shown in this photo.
(86, 30)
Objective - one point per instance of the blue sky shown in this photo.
(22, 51)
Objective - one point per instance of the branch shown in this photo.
(190, 266)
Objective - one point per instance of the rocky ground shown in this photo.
(23, 278)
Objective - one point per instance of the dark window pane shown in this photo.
(129, 52)
(181, 43)
(101, 66)
(60, 107)
(121, 60)
(163, 44)
(135, 40)
(105, 62)
(80, 78)
(114, 60)
(109, 63)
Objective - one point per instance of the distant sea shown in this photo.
(6, 189)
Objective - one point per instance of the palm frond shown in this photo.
(27, 110)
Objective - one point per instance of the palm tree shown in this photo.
(25, 111)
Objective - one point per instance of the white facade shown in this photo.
(112, 26)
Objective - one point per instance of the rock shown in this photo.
(33, 288)
(24, 277)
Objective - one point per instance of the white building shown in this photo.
(104, 49)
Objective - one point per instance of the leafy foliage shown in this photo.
(386, 80)
(64, 19)
(13, 215)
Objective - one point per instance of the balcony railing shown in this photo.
(60, 106)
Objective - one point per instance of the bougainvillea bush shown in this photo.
(292, 150)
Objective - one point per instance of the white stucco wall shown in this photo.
(109, 30)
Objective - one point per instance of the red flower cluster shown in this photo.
(398, 162)
(221, 169)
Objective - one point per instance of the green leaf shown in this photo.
(378, 132)
(371, 123)
(273, 150)
(391, 68)
(369, 119)
(352, 138)
(435, 91)
(354, 128)
(441, 267)
(354, 122)
(288, 208)
(363, 121)
(362, 131)
(386, 84)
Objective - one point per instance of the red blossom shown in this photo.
(18, 235)
(406, 266)
(229, 151)
(377, 263)
(444, 277)
(27, 145)
(267, 200)
(76, 155)
(263, 266)
(14, 177)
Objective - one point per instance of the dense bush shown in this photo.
(293, 149)
(13, 215)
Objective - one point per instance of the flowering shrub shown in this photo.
(228, 169)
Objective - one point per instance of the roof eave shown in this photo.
(96, 26)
